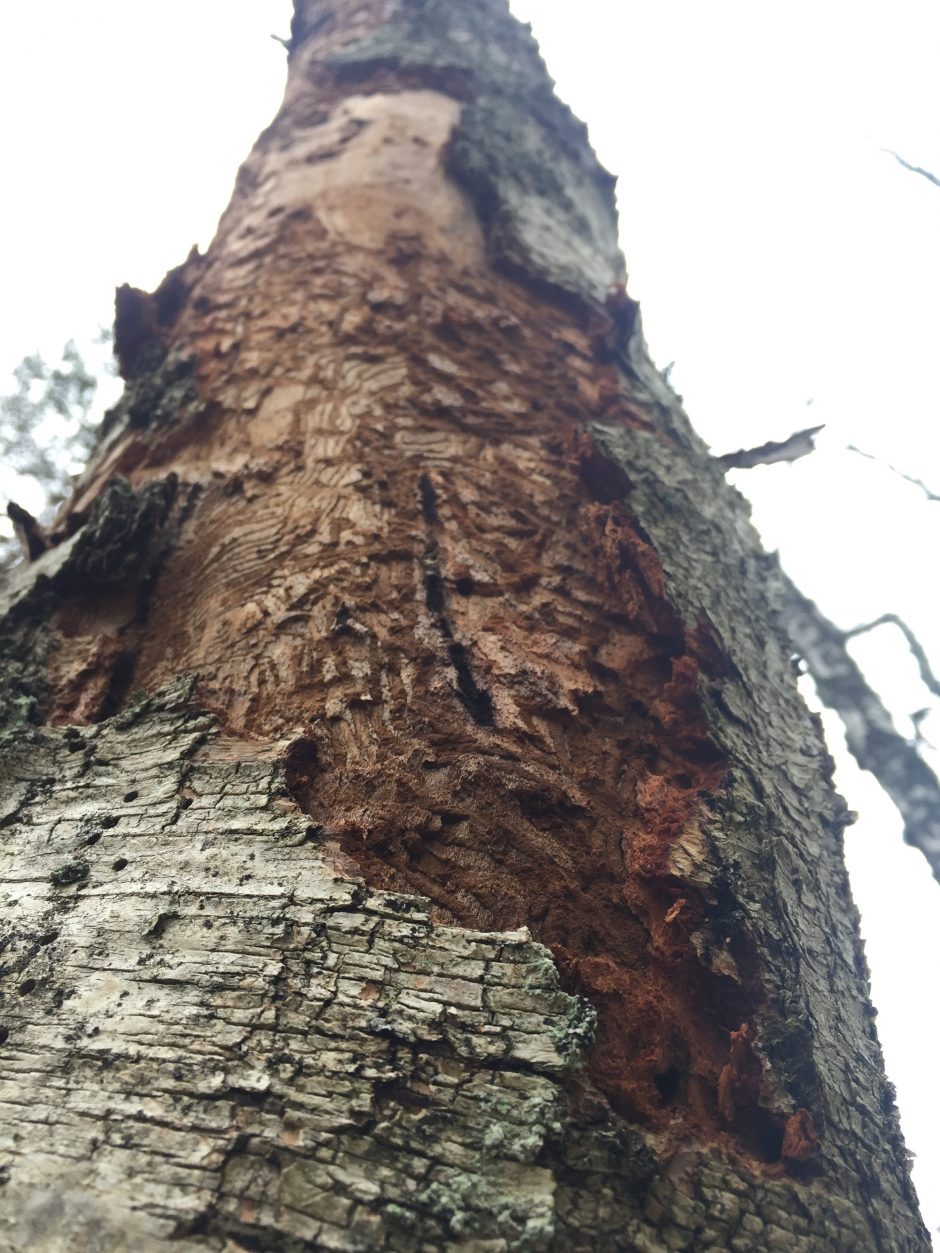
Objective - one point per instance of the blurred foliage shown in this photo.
(48, 427)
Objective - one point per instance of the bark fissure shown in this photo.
(476, 700)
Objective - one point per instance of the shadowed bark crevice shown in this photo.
(476, 700)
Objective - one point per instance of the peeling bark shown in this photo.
(483, 887)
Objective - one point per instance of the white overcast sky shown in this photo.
(780, 255)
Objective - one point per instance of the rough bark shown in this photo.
(483, 886)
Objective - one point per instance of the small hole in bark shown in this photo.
(760, 1131)
(119, 863)
(4, 1034)
(199, 1226)
(93, 838)
(770, 1139)
(108, 821)
(48, 938)
(26, 987)
(667, 1084)
(131, 795)
(464, 585)
(185, 802)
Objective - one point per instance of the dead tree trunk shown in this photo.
(413, 835)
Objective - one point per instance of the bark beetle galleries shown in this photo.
(399, 557)
(396, 556)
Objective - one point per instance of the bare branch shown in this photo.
(915, 169)
(30, 534)
(800, 444)
(928, 677)
(871, 736)
(894, 470)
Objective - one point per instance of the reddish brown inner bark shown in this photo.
(408, 567)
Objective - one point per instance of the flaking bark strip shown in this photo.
(161, 392)
(115, 543)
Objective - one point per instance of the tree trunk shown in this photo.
(415, 839)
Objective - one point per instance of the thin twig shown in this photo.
(915, 169)
(928, 677)
(894, 470)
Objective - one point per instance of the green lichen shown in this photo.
(573, 1034)
(469, 1205)
(23, 689)
(518, 1129)
(542, 973)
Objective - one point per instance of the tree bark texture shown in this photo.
(413, 835)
